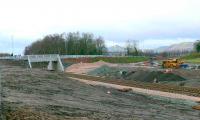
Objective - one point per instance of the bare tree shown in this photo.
(132, 47)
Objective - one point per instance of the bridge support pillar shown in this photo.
(56, 65)
(60, 66)
(50, 66)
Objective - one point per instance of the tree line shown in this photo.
(72, 43)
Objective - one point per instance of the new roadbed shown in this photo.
(37, 94)
(151, 86)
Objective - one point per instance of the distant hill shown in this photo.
(185, 46)
(116, 48)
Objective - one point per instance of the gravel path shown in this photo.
(140, 90)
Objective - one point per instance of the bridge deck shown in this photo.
(43, 58)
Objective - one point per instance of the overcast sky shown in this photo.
(153, 23)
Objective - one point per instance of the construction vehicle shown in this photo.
(172, 63)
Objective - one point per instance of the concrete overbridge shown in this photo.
(54, 61)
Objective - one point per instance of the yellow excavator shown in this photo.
(172, 63)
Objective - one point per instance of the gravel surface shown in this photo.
(83, 68)
(139, 90)
(144, 75)
(55, 94)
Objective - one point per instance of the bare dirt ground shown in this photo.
(138, 72)
(38, 94)
(83, 68)
(140, 90)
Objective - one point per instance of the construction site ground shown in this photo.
(139, 72)
(38, 94)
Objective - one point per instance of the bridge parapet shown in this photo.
(81, 56)
(43, 58)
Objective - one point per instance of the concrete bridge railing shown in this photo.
(43, 58)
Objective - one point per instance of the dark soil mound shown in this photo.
(139, 75)
(150, 76)
(106, 71)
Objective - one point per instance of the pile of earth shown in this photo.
(106, 71)
(83, 68)
(150, 76)
(139, 75)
